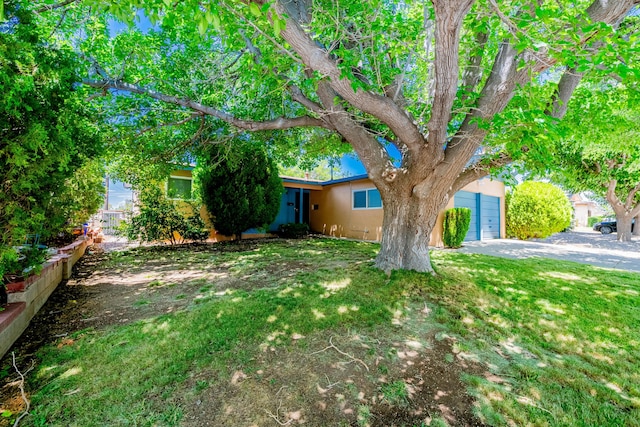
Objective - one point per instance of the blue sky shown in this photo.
(118, 194)
(351, 165)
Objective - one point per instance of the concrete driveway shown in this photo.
(583, 246)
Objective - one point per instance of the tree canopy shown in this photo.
(601, 149)
(460, 87)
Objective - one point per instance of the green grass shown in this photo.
(127, 365)
(395, 393)
(563, 339)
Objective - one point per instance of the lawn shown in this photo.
(287, 332)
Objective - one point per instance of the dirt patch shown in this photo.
(347, 379)
(325, 387)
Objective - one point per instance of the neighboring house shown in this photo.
(584, 209)
(352, 207)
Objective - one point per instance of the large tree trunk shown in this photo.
(636, 229)
(625, 210)
(624, 227)
(406, 231)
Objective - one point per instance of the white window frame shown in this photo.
(366, 192)
(189, 178)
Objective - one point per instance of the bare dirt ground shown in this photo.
(317, 386)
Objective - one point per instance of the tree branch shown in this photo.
(496, 94)
(571, 78)
(178, 123)
(612, 197)
(449, 16)
(259, 30)
(50, 7)
(630, 202)
(370, 152)
(429, 33)
(381, 107)
(566, 86)
(610, 12)
(479, 170)
(501, 84)
(473, 73)
(250, 125)
(299, 97)
(513, 28)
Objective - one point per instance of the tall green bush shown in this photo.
(240, 187)
(537, 209)
(456, 225)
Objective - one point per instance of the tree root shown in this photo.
(21, 386)
(332, 345)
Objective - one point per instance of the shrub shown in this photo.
(456, 225)
(240, 187)
(161, 219)
(591, 221)
(537, 209)
(49, 135)
(293, 230)
(195, 228)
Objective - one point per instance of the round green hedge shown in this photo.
(537, 209)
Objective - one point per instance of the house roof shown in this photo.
(296, 180)
(347, 179)
(319, 184)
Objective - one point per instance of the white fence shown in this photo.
(110, 220)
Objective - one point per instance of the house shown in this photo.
(583, 209)
(352, 207)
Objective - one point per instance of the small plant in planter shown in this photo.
(21, 263)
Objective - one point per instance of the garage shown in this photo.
(485, 214)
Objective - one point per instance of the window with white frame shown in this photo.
(179, 187)
(367, 199)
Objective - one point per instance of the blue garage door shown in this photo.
(485, 214)
(465, 199)
(489, 217)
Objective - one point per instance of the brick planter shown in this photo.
(28, 296)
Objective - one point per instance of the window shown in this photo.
(359, 199)
(179, 187)
(367, 199)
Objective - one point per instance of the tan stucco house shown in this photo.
(583, 209)
(352, 207)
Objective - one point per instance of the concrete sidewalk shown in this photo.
(626, 257)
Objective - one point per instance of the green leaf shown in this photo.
(202, 26)
(276, 27)
(255, 10)
(7, 413)
(216, 22)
